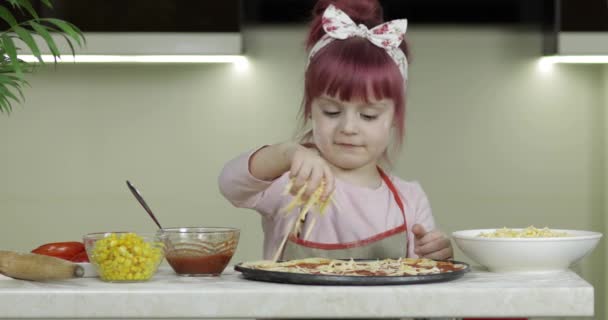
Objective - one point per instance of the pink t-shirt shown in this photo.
(362, 212)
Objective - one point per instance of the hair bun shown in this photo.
(367, 12)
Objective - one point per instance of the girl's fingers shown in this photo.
(433, 246)
(310, 171)
(301, 178)
(296, 164)
(314, 182)
(329, 183)
(428, 237)
(442, 254)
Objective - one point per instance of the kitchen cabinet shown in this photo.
(477, 294)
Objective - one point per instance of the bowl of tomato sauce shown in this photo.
(200, 251)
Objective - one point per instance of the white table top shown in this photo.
(476, 294)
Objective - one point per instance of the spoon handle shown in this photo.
(142, 202)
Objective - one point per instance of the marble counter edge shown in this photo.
(233, 297)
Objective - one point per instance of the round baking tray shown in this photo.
(316, 279)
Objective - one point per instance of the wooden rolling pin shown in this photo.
(37, 267)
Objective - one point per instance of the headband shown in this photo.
(388, 36)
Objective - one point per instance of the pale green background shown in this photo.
(494, 141)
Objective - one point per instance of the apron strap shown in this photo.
(393, 190)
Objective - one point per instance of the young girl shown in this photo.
(354, 98)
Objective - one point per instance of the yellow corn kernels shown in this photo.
(126, 257)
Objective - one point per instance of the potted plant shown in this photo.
(25, 32)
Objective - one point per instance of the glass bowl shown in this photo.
(125, 256)
(200, 251)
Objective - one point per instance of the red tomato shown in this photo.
(81, 257)
(63, 250)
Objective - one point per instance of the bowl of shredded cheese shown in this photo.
(528, 249)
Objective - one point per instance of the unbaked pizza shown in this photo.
(386, 267)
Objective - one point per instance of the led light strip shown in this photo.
(574, 59)
(236, 59)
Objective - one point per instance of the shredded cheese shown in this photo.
(529, 232)
(313, 201)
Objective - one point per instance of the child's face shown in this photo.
(351, 134)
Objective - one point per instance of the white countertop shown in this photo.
(477, 294)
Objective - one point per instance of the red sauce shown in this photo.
(311, 265)
(366, 273)
(449, 267)
(211, 265)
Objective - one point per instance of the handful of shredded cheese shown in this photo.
(529, 232)
(314, 201)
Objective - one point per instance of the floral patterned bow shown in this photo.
(339, 26)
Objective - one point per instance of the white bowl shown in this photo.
(526, 254)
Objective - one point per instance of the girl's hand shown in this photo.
(432, 245)
(308, 167)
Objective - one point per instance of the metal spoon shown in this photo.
(143, 203)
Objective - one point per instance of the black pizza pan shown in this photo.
(315, 279)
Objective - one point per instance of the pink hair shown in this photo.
(349, 68)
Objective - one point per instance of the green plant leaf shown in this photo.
(7, 16)
(44, 33)
(11, 51)
(71, 30)
(26, 37)
(28, 7)
(8, 82)
(72, 50)
(14, 82)
(47, 3)
(6, 66)
(11, 68)
(18, 4)
(5, 104)
(15, 3)
(7, 78)
(5, 107)
(67, 38)
(7, 92)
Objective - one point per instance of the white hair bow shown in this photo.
(339, 26)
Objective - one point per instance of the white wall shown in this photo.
(494, 141)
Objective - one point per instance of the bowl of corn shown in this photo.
(125, 256)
